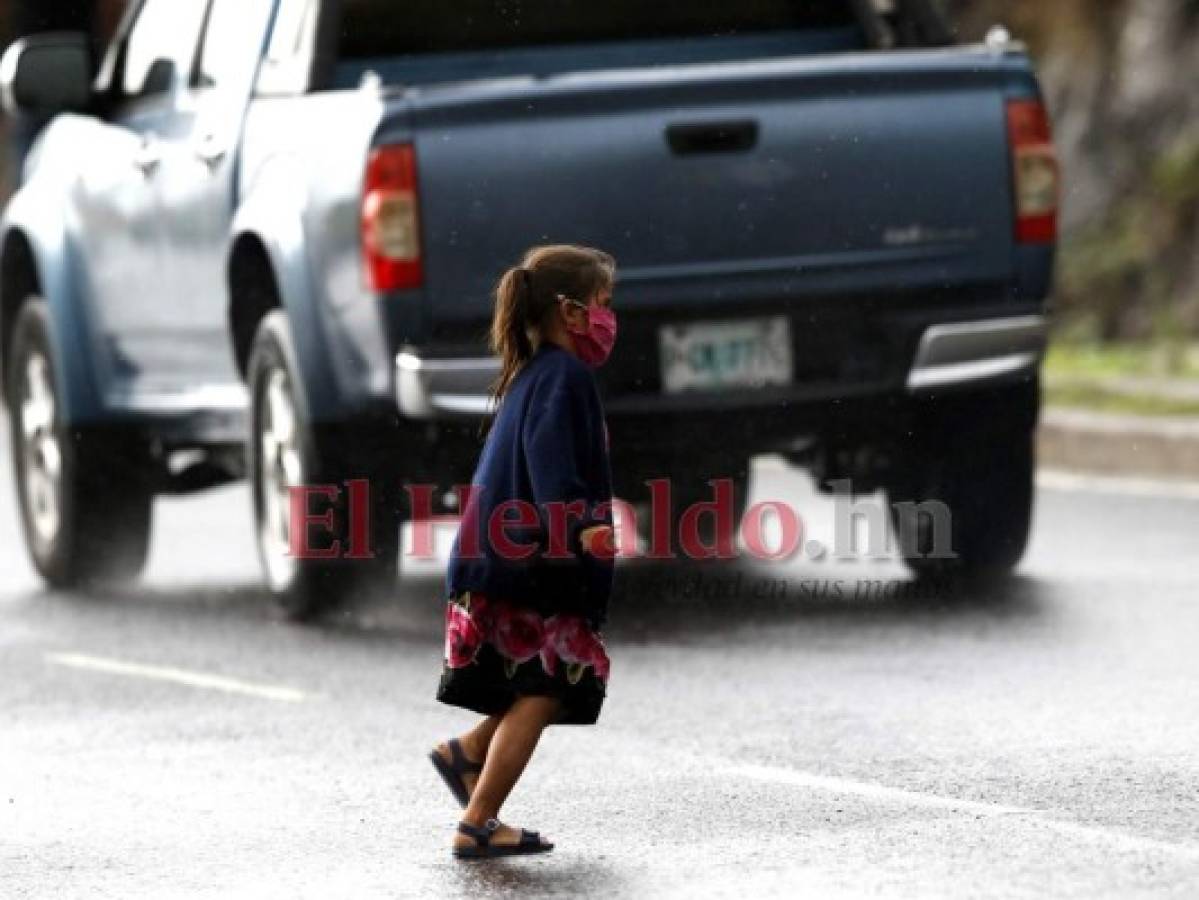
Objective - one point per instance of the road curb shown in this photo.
(1105, 443)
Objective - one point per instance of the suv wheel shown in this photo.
(985, 477)
(86, 497)
(287, 451)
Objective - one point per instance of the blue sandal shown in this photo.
(451, 772)
(530, 842)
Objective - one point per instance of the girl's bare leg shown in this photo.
(474, 745)
(512, 745)
(476, 741)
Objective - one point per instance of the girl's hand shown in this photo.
(599, 541)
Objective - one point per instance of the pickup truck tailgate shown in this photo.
(757, 180)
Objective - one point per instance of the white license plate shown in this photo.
(749, 353)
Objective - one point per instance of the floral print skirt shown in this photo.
(497, 650)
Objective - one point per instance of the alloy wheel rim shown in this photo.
(281, 468)
(41, 450)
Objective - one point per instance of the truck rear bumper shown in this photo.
(430, 388)
(967, 352)
(948, 355)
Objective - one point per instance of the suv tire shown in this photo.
(85, 495)
(286, 450)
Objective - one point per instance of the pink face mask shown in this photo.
(594, 345)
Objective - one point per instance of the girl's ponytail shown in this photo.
(510, 326)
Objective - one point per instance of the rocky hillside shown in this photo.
(1122, 81)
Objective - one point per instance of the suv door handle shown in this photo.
(210, 151)
(148, 156)
(712, 137)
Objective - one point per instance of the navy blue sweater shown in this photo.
(548, 448)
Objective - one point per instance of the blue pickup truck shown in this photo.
(257, 238)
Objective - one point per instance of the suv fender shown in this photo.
(268, 237)
(38, 257)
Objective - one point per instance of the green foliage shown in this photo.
(1124, 377)
(1130, 271)
(1069, 359)
(1126, 275)
(1098, 398)
(1176, 175)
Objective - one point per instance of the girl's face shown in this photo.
(575, 314)
(591, 328)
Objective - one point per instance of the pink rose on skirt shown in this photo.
(517, 633)
(462, 636)
(483, 611)
(568, 638)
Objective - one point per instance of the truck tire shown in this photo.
(286, 450)
(985, 476)
(85, 496)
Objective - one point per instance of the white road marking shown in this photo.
(178, 676)
(833, 785)
(870, 791)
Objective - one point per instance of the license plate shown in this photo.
(749, 353)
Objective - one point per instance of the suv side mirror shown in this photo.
(160, 79)
(47, 74)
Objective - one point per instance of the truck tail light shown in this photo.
(391, 220)
(1036, 178)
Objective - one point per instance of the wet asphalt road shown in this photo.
(1037, 740)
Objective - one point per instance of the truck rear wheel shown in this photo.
(985, 477)
(85, 496)
(287, 451)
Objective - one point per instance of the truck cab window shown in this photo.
(370, 28)
(232, 43)
(286, 68)
(291, 23)
(906, 23)
(435, 41)
(162, 43)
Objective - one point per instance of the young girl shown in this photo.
(531, 569)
